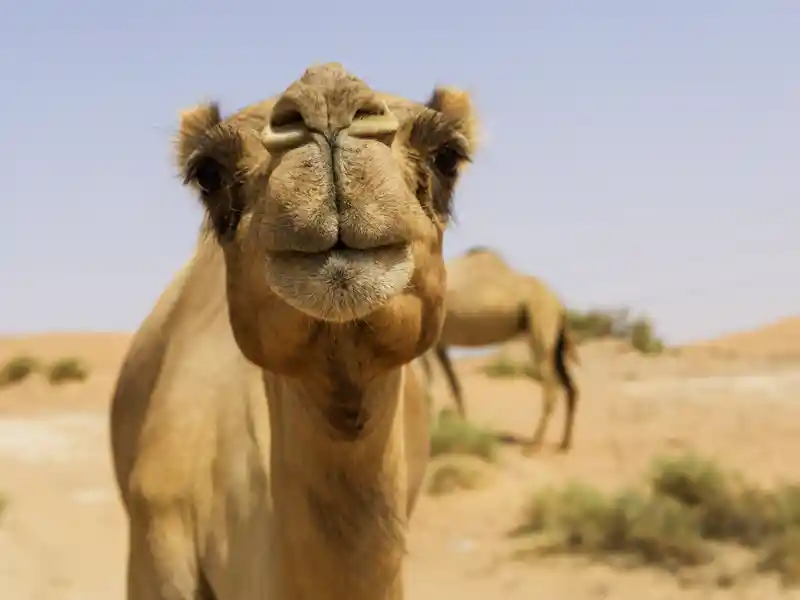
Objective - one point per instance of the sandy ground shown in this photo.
(63, 534)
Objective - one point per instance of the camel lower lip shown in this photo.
(340, 250)
(340, 284)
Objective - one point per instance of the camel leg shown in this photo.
(570, 388)
(543, 336)
(452, 379)
(162, 561)
(550, 388)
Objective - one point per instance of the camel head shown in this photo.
(329, 203)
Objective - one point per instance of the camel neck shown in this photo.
(339, 504)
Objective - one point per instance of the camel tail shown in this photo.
(566, 345)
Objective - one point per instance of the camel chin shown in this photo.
(340, 285)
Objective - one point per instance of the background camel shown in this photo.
(269, 440)
(488, 302)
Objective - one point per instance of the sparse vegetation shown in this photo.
(451, 473)
(616, 324)
(17, 369)
(688, 503)
(647, 528)
(590, 325)
(451, 435)
(505, 367)
(67, 369)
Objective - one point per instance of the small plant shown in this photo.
(648, 528)
(643, 338)
(728, 509)
(689, 502)
(505, 367)
(451, 435)
(782, 556)
(18, 369)
(452, 473)
(615, 324)
(67, 369)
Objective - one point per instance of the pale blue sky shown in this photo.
(645, 153)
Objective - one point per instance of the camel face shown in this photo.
(330, 204)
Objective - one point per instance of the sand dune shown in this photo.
(63, 536)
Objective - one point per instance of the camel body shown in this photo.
(488, 302)
(268, 432)
(192, 435)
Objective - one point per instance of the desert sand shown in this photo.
(62, 536)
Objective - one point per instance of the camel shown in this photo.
(487, 302)
(269, 438)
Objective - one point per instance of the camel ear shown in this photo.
(195, 125)
(208, 153)
(457, 105)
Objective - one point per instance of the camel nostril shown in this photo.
(369, 111)
(286, 118)
(373, 119)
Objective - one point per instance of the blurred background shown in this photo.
(639, 155)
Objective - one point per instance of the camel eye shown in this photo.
(447, 159)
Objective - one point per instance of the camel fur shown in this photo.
(269, 438)
(488, 302)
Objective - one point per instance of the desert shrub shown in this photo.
(17, 369)
(643, 338)
(645, 527)
(67, 369)
(689, 502)
(592, 324)
(451, 435)
(615, 324)
(781, 555)
(451, 473)
(728, 508)
(503, 366)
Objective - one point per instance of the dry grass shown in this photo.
(617, 324)
(505, 367)
(60, 371)
(593, 324)
(451, 473)
(688, 503)
(451, 435)
(18, 369)
(67, 369)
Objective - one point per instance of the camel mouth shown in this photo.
(342, 283)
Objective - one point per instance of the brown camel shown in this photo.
(488, 302)
(269, 438)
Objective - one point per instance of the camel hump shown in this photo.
(478, 250)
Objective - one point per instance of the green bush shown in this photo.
(648, 528)
(451, 435)
(452, 473)
(615, 324)
(502, 367)
(689, 502)
(18, 369)
(67, 369)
